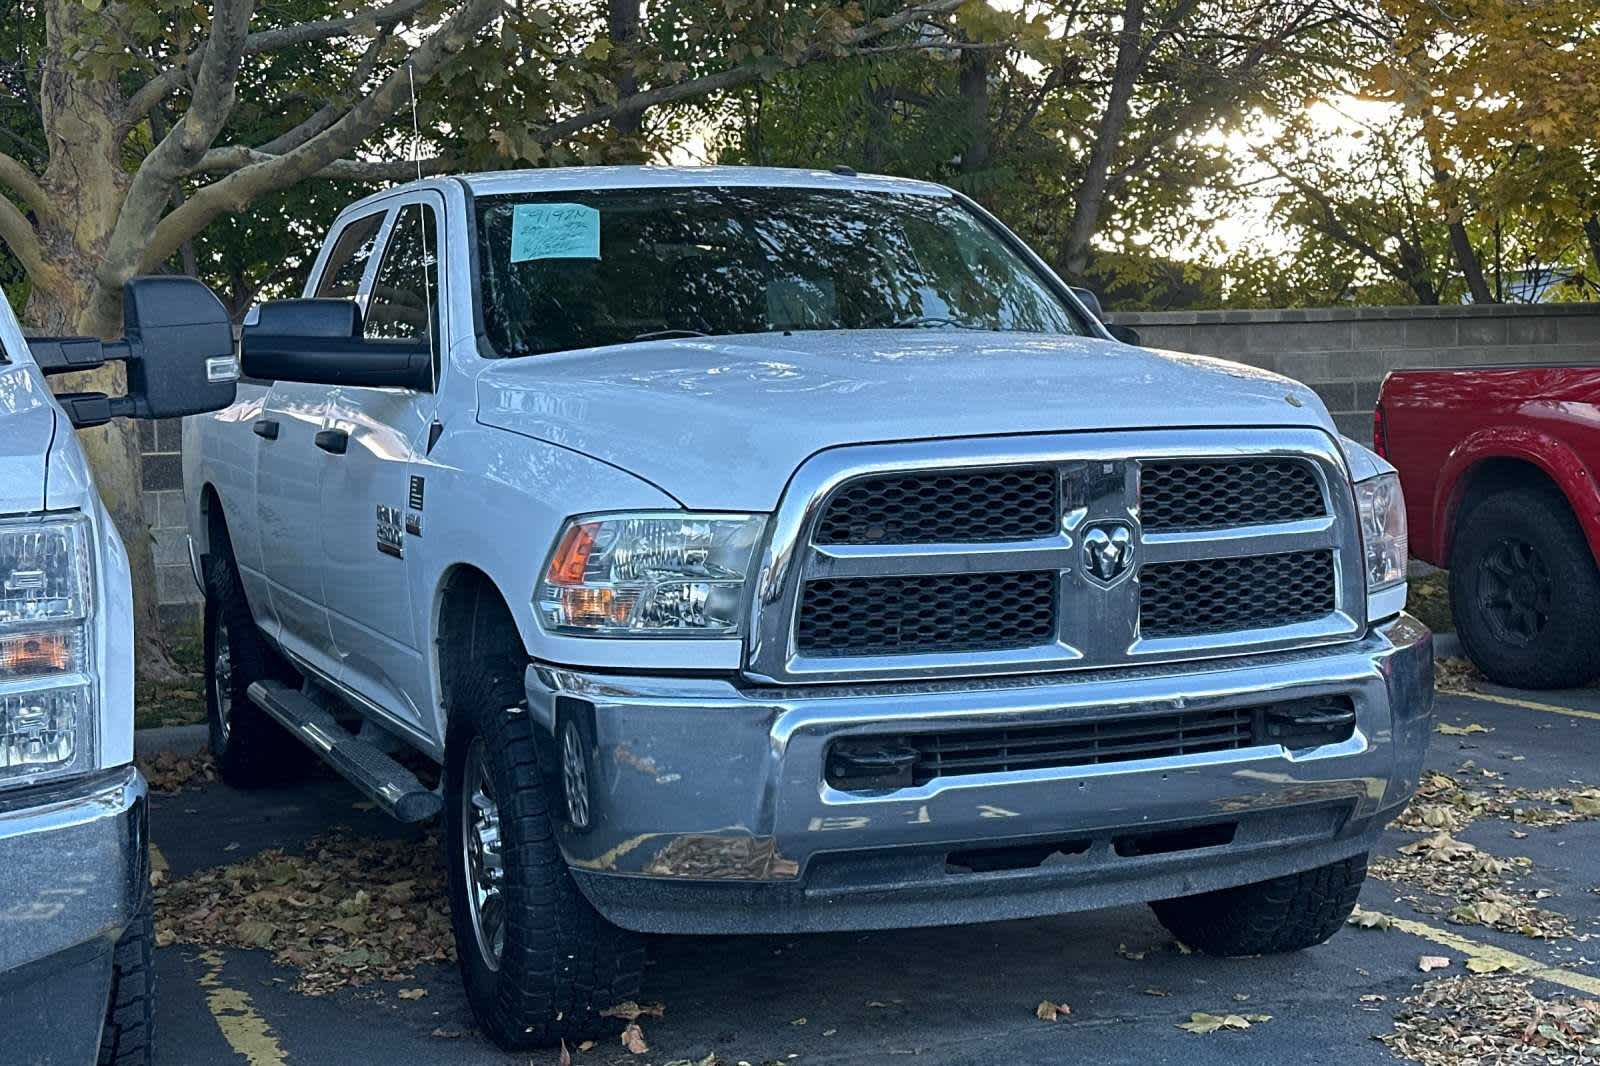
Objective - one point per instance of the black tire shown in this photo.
(1269, 917)
(1525, 592)
(128, 1036)
(561, 963)
(249, 747)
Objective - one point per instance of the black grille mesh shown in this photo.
(903, 615)
(1222, 595)
(980, 505)
(1206, 494)
(1106, 740)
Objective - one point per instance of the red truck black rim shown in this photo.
(1514, 591)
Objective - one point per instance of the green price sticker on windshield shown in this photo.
(555, 231)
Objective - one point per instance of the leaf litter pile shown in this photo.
(346, 912)
(171, 771)
(1476, 881)
(1451, 802)
(1469, 1019)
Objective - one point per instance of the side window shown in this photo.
(405, 294)
(341, 275)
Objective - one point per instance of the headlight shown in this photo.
(46, 678)
(649, 575)
(1384, 542)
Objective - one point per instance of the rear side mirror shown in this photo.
(1125, 334)
(319, 342)
(177, 343)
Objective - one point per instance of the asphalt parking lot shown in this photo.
(969, 995)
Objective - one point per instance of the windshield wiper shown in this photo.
(668, 334)
(918, 322)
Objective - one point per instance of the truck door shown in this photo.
(290, 467)
(372, 509)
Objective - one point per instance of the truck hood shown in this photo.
(27, 427)
(721, 423)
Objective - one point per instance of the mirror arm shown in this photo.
(88, 409)
(69, 355)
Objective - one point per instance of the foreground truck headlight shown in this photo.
(643, 575)
(47, 695)
(1384, 543)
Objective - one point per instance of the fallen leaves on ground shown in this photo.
(1441, 865)
(347, 911)
(1362, 919)
(173, 771)
(165, 703)
(630, 1011)
(1465, 1019)
(1451, 802)
(1448, 730)
(1203, 1023)
(1429, 963)
(1455, 675)
(633, 1039)
(1050, 1011)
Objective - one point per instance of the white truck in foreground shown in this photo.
(76, 975)
(774, 551)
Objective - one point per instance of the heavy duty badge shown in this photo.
(390, 531)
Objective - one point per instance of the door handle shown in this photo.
(266, 428)
(333, 441)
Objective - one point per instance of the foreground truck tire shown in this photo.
(249, 747)
(538, 962)
(1269, 917)
(1525, 592)
(126, 1039)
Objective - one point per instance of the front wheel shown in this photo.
(1268, 917)
(539, 963)
(1525, 593)
(126, 1039)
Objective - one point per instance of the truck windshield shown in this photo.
(584, 269)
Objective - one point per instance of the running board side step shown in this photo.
(391, 786)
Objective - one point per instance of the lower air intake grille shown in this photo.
(1224, 595)
(906, 615)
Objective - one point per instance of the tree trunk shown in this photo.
(622, 26)
(1591, 230)
(1091, 193)
(1467, 261)
(86, 184)
(975, 100)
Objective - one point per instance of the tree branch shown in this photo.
(171, 159)
(238, 189)
(183, 71)
(18, 234)
(19, 179)
(234, 157)
(744, 74)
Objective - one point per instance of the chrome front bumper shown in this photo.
(74, 870)
(711, 813)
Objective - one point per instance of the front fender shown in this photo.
(496, 501)
(1559, 461)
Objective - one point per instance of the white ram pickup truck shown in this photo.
(773, 551)
(76, 975)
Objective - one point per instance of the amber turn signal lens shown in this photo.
(30, 654)
(571, 559)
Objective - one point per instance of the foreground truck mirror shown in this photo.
(177, 343)
(319, 342)
(1125, 334)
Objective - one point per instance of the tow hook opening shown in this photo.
(1169, 840)
(1018, 857)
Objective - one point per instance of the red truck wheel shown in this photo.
(1525, 593)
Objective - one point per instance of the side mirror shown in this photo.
(319, 342)
(1125, 334)
(177, 343)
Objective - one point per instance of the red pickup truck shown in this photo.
(1498, 466)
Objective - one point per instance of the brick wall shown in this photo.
(1343, 353)
(162, 445)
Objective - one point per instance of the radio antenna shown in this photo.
(427, 252)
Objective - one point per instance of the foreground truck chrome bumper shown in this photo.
(710, 811)
(74, 871)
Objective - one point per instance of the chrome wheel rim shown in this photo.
(575, 776)
(481, 856)
(222, 681)
(1515, 592)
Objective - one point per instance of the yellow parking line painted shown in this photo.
(158, 865)
(1530, 705)
(1589, 986)
(244, 1030)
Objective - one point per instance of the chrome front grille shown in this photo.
(936, 559)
